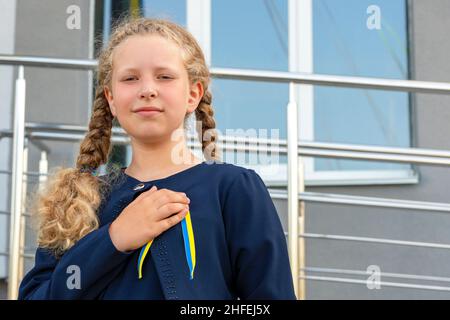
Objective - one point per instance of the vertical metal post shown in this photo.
(292, 143)
(301, 55)
(22, 217)
(43, 169)
(301, 223)
(16, 190)
(107, 9)
(91, 55)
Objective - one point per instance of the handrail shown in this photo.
(35, 131)
(381, 283)
(255, 75)
(382, 274)
(333, 80)
(343, 199)
(48, 62)
(293, 150)
(376, 240)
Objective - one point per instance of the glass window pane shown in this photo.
(174, 10)
(345, 45)
(250, 34)
(253, 37)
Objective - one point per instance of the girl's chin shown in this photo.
(148, 136)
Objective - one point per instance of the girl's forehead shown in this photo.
(152, 49)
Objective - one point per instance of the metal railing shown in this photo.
(294, 147)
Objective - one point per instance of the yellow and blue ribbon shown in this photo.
(189, 243)
(189, 247)
(142, 256)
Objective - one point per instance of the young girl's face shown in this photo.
(148, 71)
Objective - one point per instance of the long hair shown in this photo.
(67, 206)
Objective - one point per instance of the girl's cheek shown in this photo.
(127, 93)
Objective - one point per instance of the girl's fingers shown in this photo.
(173, 220)
(169, 210)
(164, 196)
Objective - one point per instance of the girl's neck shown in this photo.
(146, 166)
(159, 161)
(156, 174)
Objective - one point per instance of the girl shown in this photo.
(169, 226)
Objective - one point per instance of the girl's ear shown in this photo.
(195, 95)
(108, 95)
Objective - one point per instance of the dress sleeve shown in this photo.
(256, 241)
(94, 258)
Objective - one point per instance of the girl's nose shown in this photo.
(147, 93)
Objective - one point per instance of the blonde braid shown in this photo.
(95, 147)
(208, 135)
(66, 207)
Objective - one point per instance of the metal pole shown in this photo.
(16, 190)
(106, 21)
(43, 169)
(331, 80)
(301, 224)
(292, 139)
(22, 216)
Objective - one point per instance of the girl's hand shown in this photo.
(150, 214)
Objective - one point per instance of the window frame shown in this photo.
(300, 26)
(300, 21)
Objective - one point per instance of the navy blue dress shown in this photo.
(240, 246)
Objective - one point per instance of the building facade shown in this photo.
(393, 39)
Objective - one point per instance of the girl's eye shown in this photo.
(129, 78)
(166, 77)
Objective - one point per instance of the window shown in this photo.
(329, 38)
(253, 37)
(317, 36)
(344, 44)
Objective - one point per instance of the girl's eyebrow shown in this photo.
(160, 68)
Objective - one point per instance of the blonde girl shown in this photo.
(170, 225)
